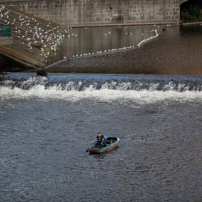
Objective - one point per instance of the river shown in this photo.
(176, 51)
(47, 123)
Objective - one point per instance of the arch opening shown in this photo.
(191, 11)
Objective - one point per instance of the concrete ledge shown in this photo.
(6, 41)
(120, 24)
(192, 23)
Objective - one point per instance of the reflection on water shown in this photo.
(177, 51)
(92, 40)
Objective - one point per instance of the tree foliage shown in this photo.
(192, 12)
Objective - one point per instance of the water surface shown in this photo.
(47, 124)
(177, 51)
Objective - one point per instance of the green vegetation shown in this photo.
(191, 12)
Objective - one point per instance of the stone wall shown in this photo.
(5, 41)
(101, 12)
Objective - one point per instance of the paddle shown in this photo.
(88, 149)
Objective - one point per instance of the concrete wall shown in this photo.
(6, 41)
(101, 12)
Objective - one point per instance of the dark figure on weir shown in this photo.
(100, 140)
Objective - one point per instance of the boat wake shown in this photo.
(72, 87)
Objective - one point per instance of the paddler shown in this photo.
(100, 140)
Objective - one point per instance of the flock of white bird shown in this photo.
(33, 32)
(121, 48)
(155, 31)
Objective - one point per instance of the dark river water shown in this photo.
(46, 125)
(89, 41)
(176, 51)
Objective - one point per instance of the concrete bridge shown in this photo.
(101, 12)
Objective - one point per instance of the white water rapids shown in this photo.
(108, 91)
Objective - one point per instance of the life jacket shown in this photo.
(99, 138)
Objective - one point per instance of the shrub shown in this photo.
(187, 17)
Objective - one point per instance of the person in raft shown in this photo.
(100, 140)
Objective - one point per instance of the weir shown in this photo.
(107, 87)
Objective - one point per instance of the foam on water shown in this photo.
(71, 90)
